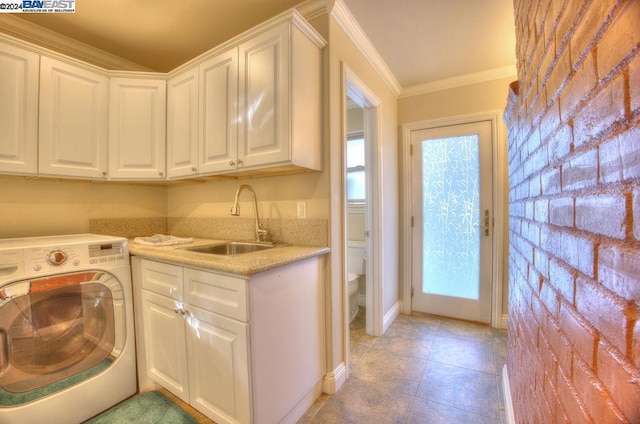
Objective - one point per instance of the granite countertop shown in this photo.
(244, 264)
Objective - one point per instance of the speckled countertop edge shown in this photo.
(245, 264)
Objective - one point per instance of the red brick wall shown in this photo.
(574, 167)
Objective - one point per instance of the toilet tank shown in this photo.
(356, 256)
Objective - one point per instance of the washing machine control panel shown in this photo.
(39, 260)
(57, 257)
(34, 256)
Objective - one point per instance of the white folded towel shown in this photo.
(162, 240)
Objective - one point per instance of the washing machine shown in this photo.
(67, 348)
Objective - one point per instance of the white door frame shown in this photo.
(355, 89)
(499, 201)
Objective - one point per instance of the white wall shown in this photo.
(342, 49)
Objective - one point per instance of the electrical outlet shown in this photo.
(302, 209)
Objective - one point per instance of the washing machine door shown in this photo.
(53, 330)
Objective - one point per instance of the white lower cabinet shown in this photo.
(195, 353)
(238, 349)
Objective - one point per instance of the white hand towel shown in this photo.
(162, 240)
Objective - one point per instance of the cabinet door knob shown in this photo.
(231, 163)
(194, 169)
(161, 173)
(240, 162)
(104, 173)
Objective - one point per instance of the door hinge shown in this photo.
(412, 222)
(412, 292)
(410, 149)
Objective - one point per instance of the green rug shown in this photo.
(12, 399)
(146, 408)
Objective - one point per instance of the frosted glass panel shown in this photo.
(356, 186)
(451, 203)
(356, 180)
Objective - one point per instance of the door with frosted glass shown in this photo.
(453, 217)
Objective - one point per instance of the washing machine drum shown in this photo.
(54, 328)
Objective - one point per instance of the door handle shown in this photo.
(486, 227)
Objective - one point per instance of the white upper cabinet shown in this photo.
(202, 118)
(18, 110)
(182, 124)
(137, 128)
(73, 120)
(264, 98)
(259, 104)
(219, 112)
(280, 97)
(251, 106)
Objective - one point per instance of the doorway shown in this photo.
(452, 208)
(360, 204)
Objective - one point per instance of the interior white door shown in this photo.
(453, 220)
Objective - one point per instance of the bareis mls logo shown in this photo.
(37, 6)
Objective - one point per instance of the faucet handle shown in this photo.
(263, 234)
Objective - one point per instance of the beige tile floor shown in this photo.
(425, 369)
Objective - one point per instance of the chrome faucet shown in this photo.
(261, 232)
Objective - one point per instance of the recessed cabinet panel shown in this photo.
(137, 125)
(182, 124)
(264, 98)
(218, 366)
(218, 112)
(73, 121)
(224, 294)
(165, 340)
(164, 279)
(18, 110)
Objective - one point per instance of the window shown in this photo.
(356, 187)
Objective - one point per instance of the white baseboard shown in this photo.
(390, 316)
(508, 403)
(335, 379)
(504, 324)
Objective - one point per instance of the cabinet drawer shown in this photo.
(163, 279)
(221, 294)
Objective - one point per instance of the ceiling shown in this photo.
(421, 41)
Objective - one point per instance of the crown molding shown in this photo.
(343, 16)
(35, 34)
(460, 81)
(312, 9)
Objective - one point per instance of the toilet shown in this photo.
(355, 269)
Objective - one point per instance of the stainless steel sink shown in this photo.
(231, 248)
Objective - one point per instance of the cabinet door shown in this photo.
(137, 125)
(264, 98)
(182, 124)
(18, 110)
(73, 120)
(165, 343)
(218, 366)
(218, 113)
